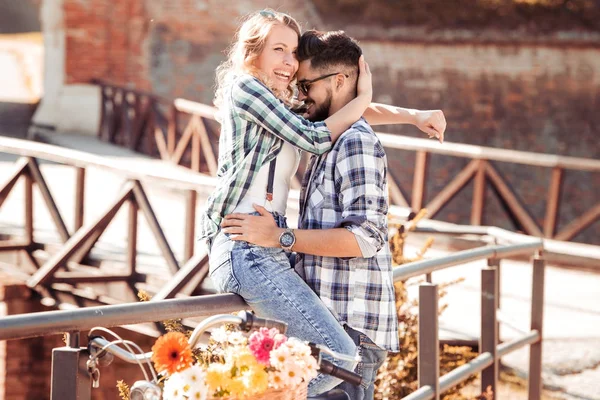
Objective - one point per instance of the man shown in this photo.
(342, 240)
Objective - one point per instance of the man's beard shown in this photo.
(321, 113)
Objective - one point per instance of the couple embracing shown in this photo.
(330, 279)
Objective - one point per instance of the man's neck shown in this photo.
(338, 105)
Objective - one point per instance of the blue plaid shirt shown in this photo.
(254, 124)
(347, 187)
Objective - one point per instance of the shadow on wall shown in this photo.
(19, 16)
(15, 118)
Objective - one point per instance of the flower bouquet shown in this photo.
(265, 365)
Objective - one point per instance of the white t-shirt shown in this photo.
(288, 160)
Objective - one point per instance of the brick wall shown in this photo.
(169, 47)
(538, 93)
(523, 97)
(25, 365)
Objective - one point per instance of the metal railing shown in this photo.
(431, 385)
(129, 117)
(78, 241)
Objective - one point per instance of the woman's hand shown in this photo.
(365, 83)
(432, 122)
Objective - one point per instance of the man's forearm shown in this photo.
(338, 242)
(382, 114)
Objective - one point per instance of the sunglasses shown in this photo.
(272, 14)
(304, 85)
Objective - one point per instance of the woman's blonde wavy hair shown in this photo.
(249, 42)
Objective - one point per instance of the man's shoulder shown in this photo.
(360, 133)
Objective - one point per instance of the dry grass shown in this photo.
(510, 387)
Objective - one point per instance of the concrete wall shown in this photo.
(19, 16)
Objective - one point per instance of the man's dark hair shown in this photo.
(326, 50)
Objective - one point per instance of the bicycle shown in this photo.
(102, 353)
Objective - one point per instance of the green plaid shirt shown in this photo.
(254, 124)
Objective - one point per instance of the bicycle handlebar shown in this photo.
(329, 368)
(247, 322)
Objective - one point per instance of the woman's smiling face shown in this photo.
(278, 59)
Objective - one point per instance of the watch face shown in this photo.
(287, 239)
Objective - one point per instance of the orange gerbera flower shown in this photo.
(172, 353)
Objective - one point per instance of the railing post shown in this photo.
(28, 181)
(495, 263)
(478, 194)
(489, 326)
(132, 236)
(70, 377)
(537, 322)
(190, 224)
(418, 192)
(172, 129)
(552, 202)
(79, 197)
(429, 349)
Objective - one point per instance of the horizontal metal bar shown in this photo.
(79, 277)
(421, 267)
(51, 322)
(119, 352)
(476, 365)
(423, 393)
(461, 373)
(170, 175)
(391, 141)
(518, 249)
(550, 246)
(509, 347)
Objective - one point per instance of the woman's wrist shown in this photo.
(411, 115)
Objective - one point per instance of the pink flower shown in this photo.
(263, 341)
(279, 339)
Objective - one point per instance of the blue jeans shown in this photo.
(268, 283)
(372, 357)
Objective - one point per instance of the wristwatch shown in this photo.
(287, 239)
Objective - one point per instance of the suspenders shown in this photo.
(271, 179)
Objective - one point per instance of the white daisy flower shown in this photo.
(193, 378)
(280, 357)
(310, 367)
(237, 338)
(294, 374)
(174, 388)
(219, 334)
(198, 393)
(278, 380)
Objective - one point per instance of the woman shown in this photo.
(255, 87)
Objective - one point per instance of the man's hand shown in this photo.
(260, 230)
(432, 122)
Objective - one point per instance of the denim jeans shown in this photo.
(372, 357)
(270, 285)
